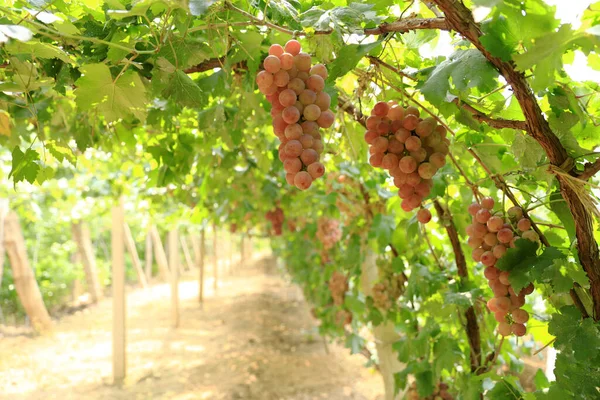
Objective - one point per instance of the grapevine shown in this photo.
(412, 149)
(440, 393)
(490, 234)
(300, 107)
(338, 286)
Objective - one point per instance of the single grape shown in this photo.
(287, 98)
(307, 141)
(413, 178)
(389, 161)
(272, 64)
(275, 50)
(495, 223)
(297, 85)
(402, 135)
(528, 289)
(500, 316)
(370, 136)
(316, 83)
(292, 165)
(376, 159)
(515, 212)
(383, 127)
(302, 75)
(323, 101)
(291, 115)
(482, 216)
(289, 178)
(474, 242)
(309, 156)
(503, 277)
(287, 63)
(310, 127)
(423, 216)
(303, 180)
(492, 305)
(524, 224)
(491, 273)
(319, 69)
(530, 235)
(423, 188)
(519, 329)
(488, 259)
(520, 316)
(503, 303)
(487, 202)
(505, 235)
(326, 119)
(381, 109)
(414, 200)
(477, 253)
(293, 131)
(395, 113)
(441, 130)
(426, 170)
(410, 121)
(312, 112)
(437, 159)
(426, 127)
(499, 250)
(279, 125)
(281, 78)
(372, 122)
(318, 146)
(293, 148)
(293, 47)
(307, 97)
(517, 301)
(504, 329)
(419, 155)
(399, 178)
(473, 208)
(380, 144)
(316, 170)
(395, 146)
(302, 61)
(270, 90)
(413, 111)
(408, 164)
(413, 143)
(264, 79)
(490, 239)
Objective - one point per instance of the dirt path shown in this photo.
(254, 340)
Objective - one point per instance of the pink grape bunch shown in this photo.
(490, 235)
(412, 149)
(328, 232)
(300, 107)
(276, 218)
(338, 286)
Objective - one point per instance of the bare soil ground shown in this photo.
(253, 340)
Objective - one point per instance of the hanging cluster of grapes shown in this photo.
(300, 107)
(440, 393)
(328, 232)
(389, 288)
(338, 286)
(412, 149)
(490, 235)
(276, 218)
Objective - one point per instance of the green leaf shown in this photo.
(465, 69)
(344, 19)
(540, 380)
(113, 100)
(24, 166)
(524, 249)
(527, 151)
(183, 90)
(562, 211)
(347, 58)
(498, 39)
(184, 53)
(38, 49)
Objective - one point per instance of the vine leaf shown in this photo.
(113, 99)
(345, 19)
(24, 166)
(347, 59)
(183, 90)
(4, 123)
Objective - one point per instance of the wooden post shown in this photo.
(81, 235)
(130, 243)
(148, 257)
(23, 277)
(159, 253)
(118, 286)
(215, 258)
(186, 252)
(174, 266)
(199, 251)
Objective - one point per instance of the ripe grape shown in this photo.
(490, 239)
(326, 119)
(488, 259)
(287, 98)
(307, 97)
(272, 64)
(408, 164)
(316, 83)
(474, 242)
(276, 50)
(482, 216)
(410, 122)
(426, 170)
(302, 61)
(505, 235)
(303, 180)
(413, 143)
(500, 316)
(293, 47)
(487, 202)
(520, 316)
(370, 136)
(293, 131)
(287, 63)
(495, 223)
(491, 273)
(281, 78)
(499, 250)
(394, 145)
(307, 141)
(312, 112)
(319, 69)
(473, 208)
(291, 115)
(292, 165)
(381, 109)
(264, 79)
(389, 161)
(524, 224)
(437, 159)
(402, 135)
(380, 144)
(316, 170)
(323, 101)
(515, 212)
(519, 329)
(503, 277)
(423, 216)
(293, 148)
(504, 328)
(376, 159)
(395, 113)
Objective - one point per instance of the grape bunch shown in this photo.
(440, 392)
(338, 286)
(328, 232)
(300, 107)
(276, 218)
(386, 292)
(412, 149)
(490, 235)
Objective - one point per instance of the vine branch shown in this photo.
(590, 169)
(498, 123)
